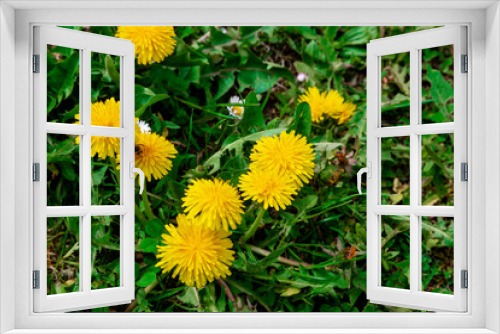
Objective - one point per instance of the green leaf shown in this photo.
(325, 147)
(290, 292)
(144, 98)
(184, 59)
(261, 80)
(154, 228)
(146, 279)
(305, 203)
(68, 171)
(441, 90)
(148, 245)
(226, 82)
(303, 119)
(189, 297)
(252, 117)
(110, 67)
(214, 161)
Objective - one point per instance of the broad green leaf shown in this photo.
(303, 119)
(154, 228)
(184, 60)
(252, 116)
(112, 72)
(146, 279)
(189, 297)
(441, 90)
(260, 80)
(144, 98)
(226, 82)
(148, 245)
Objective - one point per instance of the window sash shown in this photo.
(86, 297)
(413, 43)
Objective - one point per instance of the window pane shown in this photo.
(105, 84)
(437, 85)
(63, 257)
(105, 252)
(437, 255)
(63, 170)
(105, 171)
(63, 84)
(395, 171)
(395, 251)
(395, 92)
(437, 169)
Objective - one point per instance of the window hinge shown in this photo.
(36, 63)
(36, 172)
(465, 64)
(465, 279)
(464, 171)
(36, 279)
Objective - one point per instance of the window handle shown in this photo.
(134, 170)
(368, 171)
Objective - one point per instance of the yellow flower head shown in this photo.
(215, 203)
(268, 187)
(153, 154)
(151, 43)
(345, 113)
(105, 113)
(289, 153)
(194, 252)
(321, 104)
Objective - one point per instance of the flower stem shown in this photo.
(251, 231)
(147, 206)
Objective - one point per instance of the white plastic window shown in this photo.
(397, 206)
(88, 216)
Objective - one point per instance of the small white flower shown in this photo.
(145, 128)
(301, 77)
(223, 30)
(236, 111)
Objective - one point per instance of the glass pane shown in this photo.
(105, 85)
(105, 252)
(63, 257)
(437, 85)
(395, 171)
(63, 84)
(437, 169)
(105, 171)
(63, 170)
(395, 91)
(437, 255)
(395, 251)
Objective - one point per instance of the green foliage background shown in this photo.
(185, 98)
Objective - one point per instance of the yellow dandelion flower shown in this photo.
(289, 153)
(105, 113)
(153, 154)
(345, 113)
(151, 43)
(268, 187)
(197, 254)
(215, 203)
(321, 103)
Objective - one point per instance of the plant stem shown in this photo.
(147, 206)
(251, 231)
(147, 290)
(281, 259)
(244, 290)
(229, 293)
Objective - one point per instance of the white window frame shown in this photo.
(483, 21)
(414, 43)
(86, 44)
